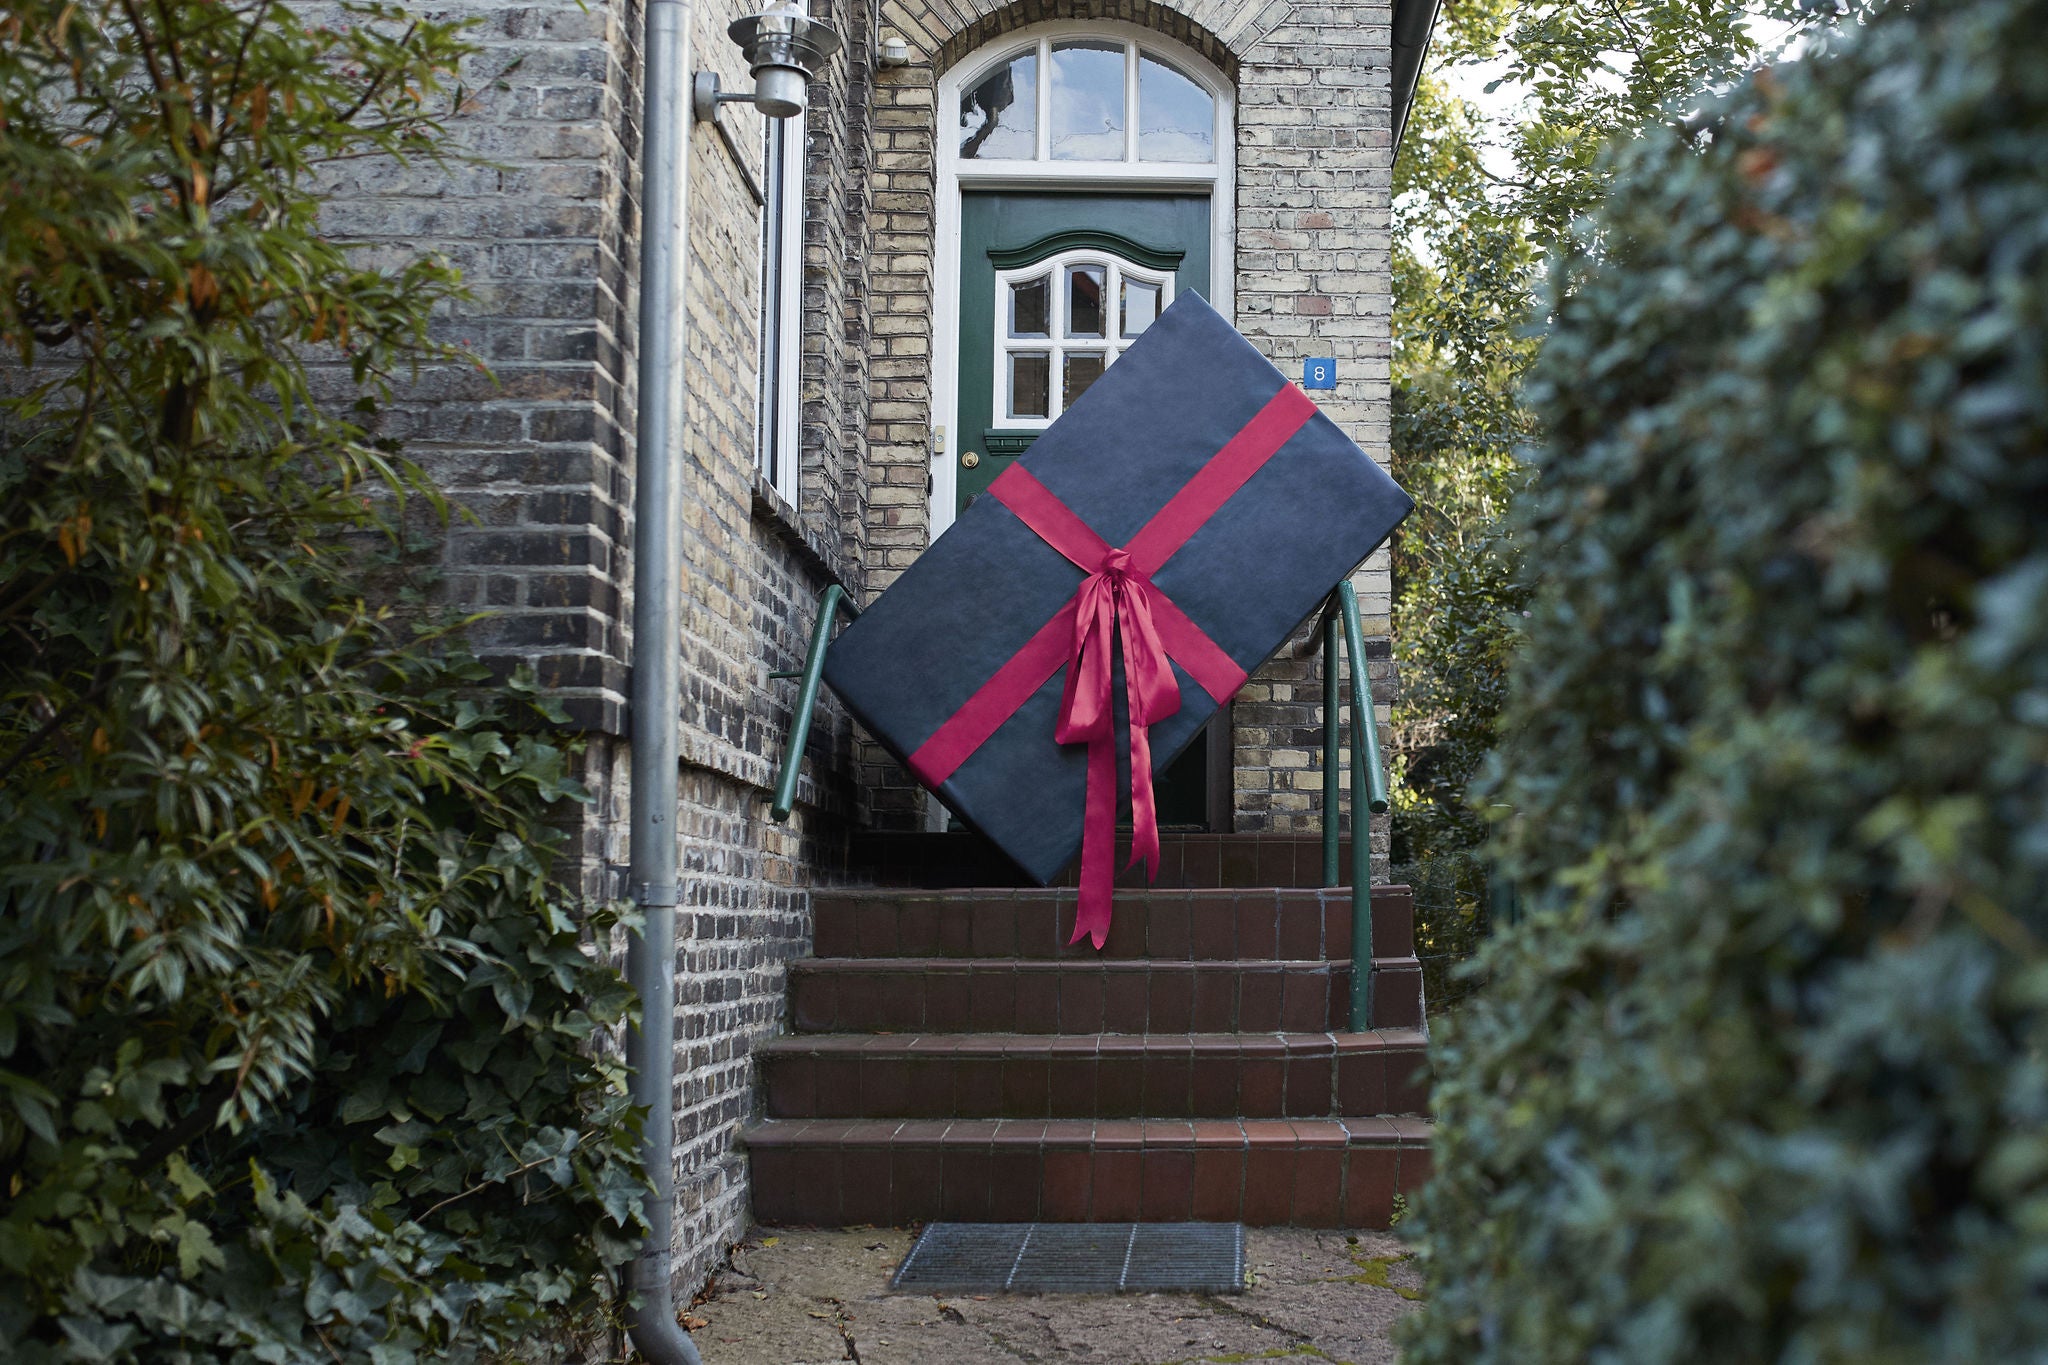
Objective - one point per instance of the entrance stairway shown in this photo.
(954, 1059)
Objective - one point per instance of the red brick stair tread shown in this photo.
(1163, 925)
(1313, 1173)
(1022, 995)
(1186, 859)
(958, 1044)
(1167, 1076)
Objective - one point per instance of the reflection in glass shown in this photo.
(1082, 369)
(1029, 302)
(1176, 117)
(1088, 101)
(1030, 383)
(1084, 300)
(999, 117)
(1140, 305)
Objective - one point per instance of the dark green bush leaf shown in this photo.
(298, 1042)
(1762, 1078)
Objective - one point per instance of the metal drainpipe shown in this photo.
(657, 653)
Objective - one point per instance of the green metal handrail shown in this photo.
(1368, 774)
(835, 601)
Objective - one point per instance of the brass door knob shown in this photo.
(969, 460)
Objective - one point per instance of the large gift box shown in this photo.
(1081, 622)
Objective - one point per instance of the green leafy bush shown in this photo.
(1766, 1077)
(1483, 195)
(1454, 914)
(296, 1035)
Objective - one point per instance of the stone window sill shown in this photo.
(773, 511)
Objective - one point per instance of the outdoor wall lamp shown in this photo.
(784, 49)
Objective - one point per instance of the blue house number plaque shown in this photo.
(1319, 372)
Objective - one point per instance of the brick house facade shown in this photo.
(544, 226)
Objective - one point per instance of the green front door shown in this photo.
(1052, 288)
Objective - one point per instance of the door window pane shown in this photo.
(1084, 300)
(1088, 101)
(999, 117)
(1140, 305)
(1176, 117)
(1029, 307)
(1030, 382)
(1082, 369)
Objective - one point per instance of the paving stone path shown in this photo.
(809, 1297)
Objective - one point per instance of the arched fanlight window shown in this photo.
(1099, 99)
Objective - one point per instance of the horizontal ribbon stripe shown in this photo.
(1117, 609)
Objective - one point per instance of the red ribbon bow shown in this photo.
(1116, 606)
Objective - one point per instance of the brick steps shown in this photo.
(1267, 1172)
(1019, 995)
(1111, 1076)
(1160, 925)
(954, 1057)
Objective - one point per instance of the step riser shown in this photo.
(1281, 1082)
(1185, 860)
(1141, 997)
(851, 1180)
(1175, 927)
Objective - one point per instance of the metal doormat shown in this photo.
(1076, 1258)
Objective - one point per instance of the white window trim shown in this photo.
(1217, 178)
(1056, 343)
(778, 387)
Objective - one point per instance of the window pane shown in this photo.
(1088, 101)
(1140, 306)
(781, 253)
(1029, 303)
(1082, 369)
(1176, 117)
(1030, 379)
(999, 117)
(1084, 300)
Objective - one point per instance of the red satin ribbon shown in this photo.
(1117, 607)
(1114, 608)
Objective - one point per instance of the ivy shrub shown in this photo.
(1765, 1078)
(296, 1033)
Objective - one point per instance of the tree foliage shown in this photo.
(1483, 199)
(295, 1032)
(1763, 1079)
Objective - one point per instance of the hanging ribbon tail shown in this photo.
(1085, 711)
(1153, 695)
(1144, 811)
(1098, 845)
(1115, 614)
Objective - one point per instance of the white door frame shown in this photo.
(1217, 179)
